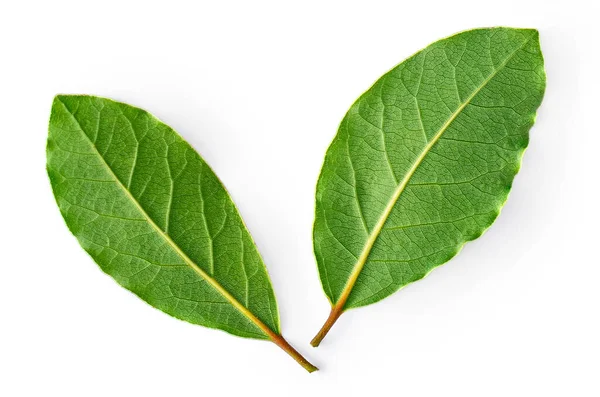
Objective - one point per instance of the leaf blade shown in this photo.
(155, 217)
(363, 244)
(60, 109)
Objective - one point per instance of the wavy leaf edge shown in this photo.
(338, 307)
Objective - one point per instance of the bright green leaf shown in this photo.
(423, 162)
(155, 217)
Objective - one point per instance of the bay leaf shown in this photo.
(155, 217)
(423, 162)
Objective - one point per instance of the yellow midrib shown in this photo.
(214, 283)
(362, 259)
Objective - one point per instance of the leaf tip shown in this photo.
(59, 98)
(532, 31)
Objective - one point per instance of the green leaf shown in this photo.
(155, 217)
(423, 162)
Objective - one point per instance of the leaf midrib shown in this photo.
(188, 261)
(362, 259)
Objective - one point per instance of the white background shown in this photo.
(258, 88)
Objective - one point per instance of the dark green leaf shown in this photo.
(423, 162)
(155, 217)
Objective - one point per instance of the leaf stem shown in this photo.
(282, 343)
(336, 312)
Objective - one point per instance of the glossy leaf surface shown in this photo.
(423, 162)
(155, 217)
